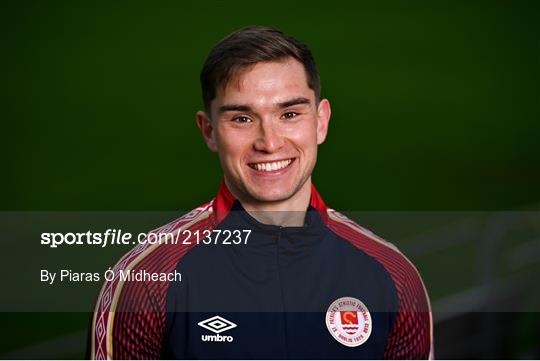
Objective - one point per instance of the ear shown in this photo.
(207, 130)
(323, 118)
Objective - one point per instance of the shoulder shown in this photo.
(404, 274)
(166, 239)
(161, 249)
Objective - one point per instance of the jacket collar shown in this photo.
(225, 200)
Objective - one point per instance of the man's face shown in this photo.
(265, 126)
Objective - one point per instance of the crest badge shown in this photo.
(349, 321)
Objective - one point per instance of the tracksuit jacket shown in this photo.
(327, 290)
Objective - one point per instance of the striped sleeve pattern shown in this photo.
(129, 317)
(411, 336)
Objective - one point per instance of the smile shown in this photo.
(271, 166)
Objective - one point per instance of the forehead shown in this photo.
(274, 79)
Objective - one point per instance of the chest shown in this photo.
(272, 301)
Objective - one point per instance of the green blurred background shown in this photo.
(435, 107)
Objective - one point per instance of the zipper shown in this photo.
(283, 311)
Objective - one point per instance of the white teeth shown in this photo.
(269, 167)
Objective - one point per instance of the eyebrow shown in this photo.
(234, 107)
(295, 101)
(247, 108)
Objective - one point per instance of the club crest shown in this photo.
(349, 321)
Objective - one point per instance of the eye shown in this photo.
(290, 115)
(241, 119)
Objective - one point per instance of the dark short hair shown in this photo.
(247, 47)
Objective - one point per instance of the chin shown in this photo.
(267, 195)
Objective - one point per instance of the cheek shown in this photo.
(231, 145)
(305, 137)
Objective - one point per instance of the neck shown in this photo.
(290, 212)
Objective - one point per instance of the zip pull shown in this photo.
(279, 232)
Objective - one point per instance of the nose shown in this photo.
(269, 139)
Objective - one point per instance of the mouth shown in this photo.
(272, 166)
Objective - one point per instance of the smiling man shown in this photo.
(268, 270)
(266, 124)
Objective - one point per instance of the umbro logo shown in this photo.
(217, 325)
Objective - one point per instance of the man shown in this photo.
(268, 271)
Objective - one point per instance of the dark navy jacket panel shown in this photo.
(276, 289)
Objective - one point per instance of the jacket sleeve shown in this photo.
(128, 322)
(411, 336)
